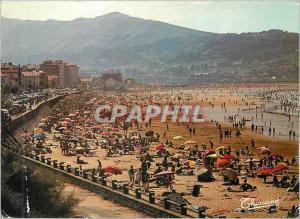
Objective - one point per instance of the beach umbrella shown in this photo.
(105, 133)
(279, 167)
(264, 150)
(178, 137)
(64, 123)
(102, 141)
(86, 112)
(115, 129)
(164, 173)
(97, 127)
(222, 163)
(159, 147)
(214, 155)
(38, 136)
(72, 114)
(207, 152)
(221, 147)
(190, 163)
(134, 137)
(190, 142)
(229, 173)
(38, 130)
(265, 171)
(228, 156)
(112, 170)
(82, 120)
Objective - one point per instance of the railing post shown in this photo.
(55, 163)
(43, 159)
(201, 210)
(94, 179)
(114, 185)
(76, 170)
(49, 161)
(166, 202)
(138, 194)
(69, 168)
(151, 197)
(84, 175)
(183, 209)
(103, 181)
(62, 166)
(125, 189)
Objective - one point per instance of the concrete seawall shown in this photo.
(128, 200)
(105, 191)
(30, 115)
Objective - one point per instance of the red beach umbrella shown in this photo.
(112, 170)
(279, 167)
(265, 171)
(105, 133)
(159, 147)
(228, 156)
(222, 162)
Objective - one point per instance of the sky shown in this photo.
(211, 16)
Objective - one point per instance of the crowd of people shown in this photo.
(73, 129)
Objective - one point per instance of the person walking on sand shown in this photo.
(194, 131)
(252, 143)
(99, 165)
(190, 130)
(131, 172)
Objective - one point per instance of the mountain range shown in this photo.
(142, 47)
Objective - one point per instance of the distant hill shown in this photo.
(147, 47)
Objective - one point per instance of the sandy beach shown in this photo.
(213, 195)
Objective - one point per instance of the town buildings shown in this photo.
(68, 74)
(51, 73)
